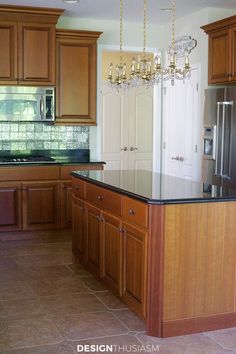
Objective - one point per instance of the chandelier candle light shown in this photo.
(120, 81)
(173, 72)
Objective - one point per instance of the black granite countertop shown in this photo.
(157, 188)
(57, 157)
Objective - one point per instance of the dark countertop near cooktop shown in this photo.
(60, 157)
(157, 188)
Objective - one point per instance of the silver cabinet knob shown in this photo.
(133, 148)
(99, 197)
(124, 148)
(131, 212)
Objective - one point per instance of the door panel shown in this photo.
(8, 58)
(78, 235)
(66, 205)
(181, 129)
(112, 251)
(134, 263)
(41, 205)
(93, 239)
(10, 207)
(37, 53)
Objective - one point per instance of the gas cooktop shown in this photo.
(26, 159)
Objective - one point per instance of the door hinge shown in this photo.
(164, 90)
(195, 148)
(164, 145)
(197, 86)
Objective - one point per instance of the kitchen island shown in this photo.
(165, 246)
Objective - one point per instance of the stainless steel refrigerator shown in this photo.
(219, 138)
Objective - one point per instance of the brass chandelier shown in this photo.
(144, 70)
(172, 72)
(120, 80)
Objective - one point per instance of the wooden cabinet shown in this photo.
(76, 77)
(78, 234)
(41, 205)
(111, 267)
(93, 239)
(222, 51)
(10, 206)
(115, 241)
(27, 41)
(8, 58)
(134, 268)
(66, 204)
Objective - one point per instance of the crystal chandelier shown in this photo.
(120, 80)
(142, 70)
(172, 72)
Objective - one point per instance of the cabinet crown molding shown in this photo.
(221, 24)
(64, 33)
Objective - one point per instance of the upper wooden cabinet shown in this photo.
(27, 42)
(76, 77)
(222, 51)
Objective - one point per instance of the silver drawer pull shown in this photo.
(77, 188)
(99, 197)
(131, 212)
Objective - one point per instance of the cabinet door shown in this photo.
(112, 251)
(78, 238)
(36, 54)
(8, 57)
(66, 204)
(76, 78)
(41, 205)
(93, 239)
(219, 57)
(10, 207)
(134, 268)
(233, 54)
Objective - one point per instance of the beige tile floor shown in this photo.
(49, 306)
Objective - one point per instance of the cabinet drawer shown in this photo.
(103, 198)
(134, 211)
(78, 188)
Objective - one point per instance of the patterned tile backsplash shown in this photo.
(39, 136)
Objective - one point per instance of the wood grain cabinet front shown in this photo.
(78, 231)
(76, 82)
(28, 42)
(66, 204)
(41, 205)
(222, 51)
(10, 206)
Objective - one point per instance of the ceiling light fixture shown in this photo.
(71, 1)
(120, 80)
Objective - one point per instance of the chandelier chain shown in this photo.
(173, 23)
(121, 30)
(144, 26)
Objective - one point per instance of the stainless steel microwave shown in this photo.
(18, 103)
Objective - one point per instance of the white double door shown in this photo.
(181, 141)
(127, 129)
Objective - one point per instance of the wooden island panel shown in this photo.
(199, 265)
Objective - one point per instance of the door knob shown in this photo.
(176, 158)
(133, 148)
(181, 159)
(124, 148)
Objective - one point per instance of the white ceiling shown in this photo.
(109, 9)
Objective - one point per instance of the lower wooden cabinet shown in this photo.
(93, 239)
(110, 247)
(10, 206)
(41, 205)
(66, 204)
(78, 231)
(134, 267)
(111, 267)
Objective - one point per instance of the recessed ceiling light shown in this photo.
(71, 1)
(166, 9)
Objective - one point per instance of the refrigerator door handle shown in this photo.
(222, 142)
(227, 174)
(214, 148)
(219, 104)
